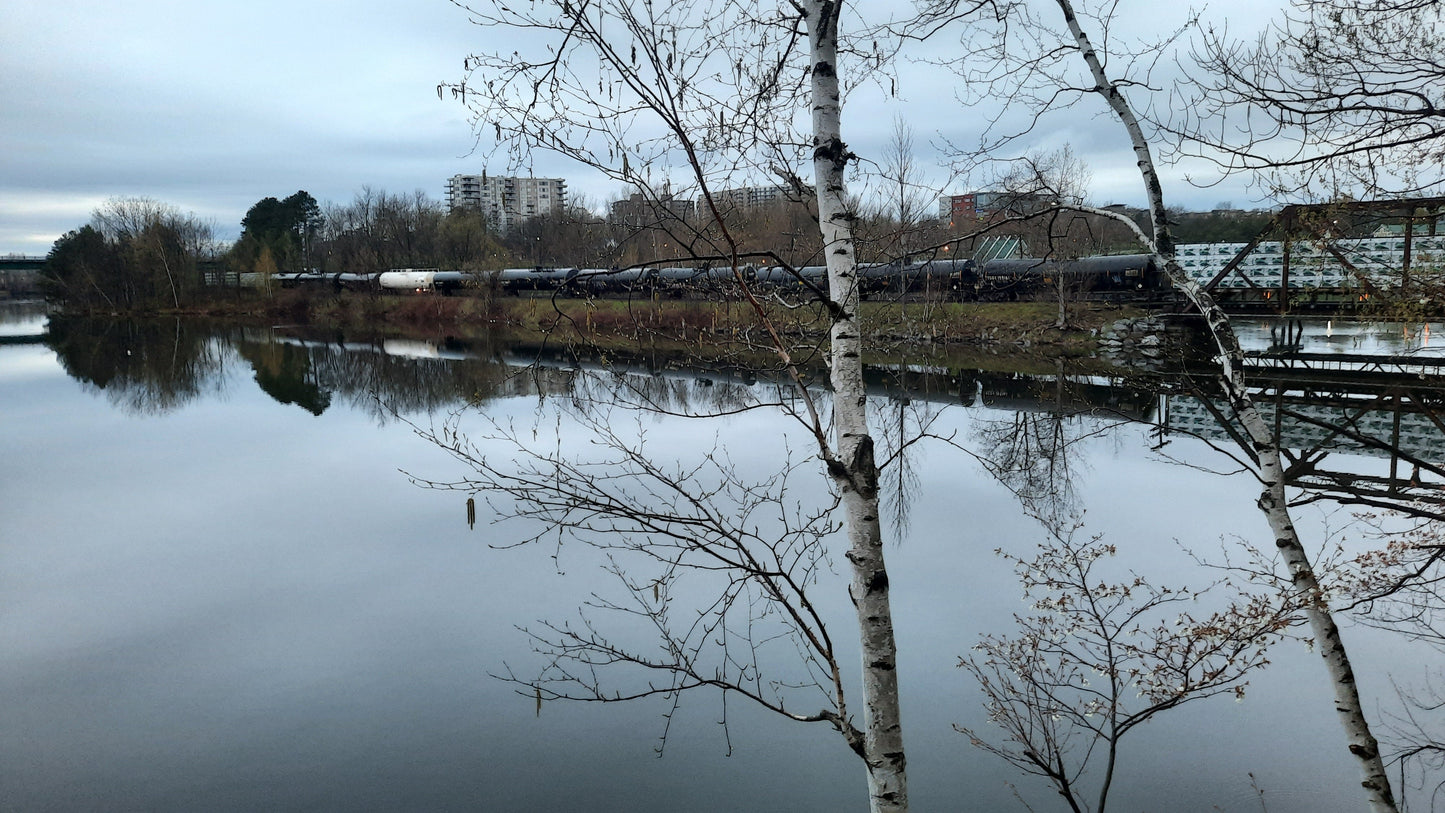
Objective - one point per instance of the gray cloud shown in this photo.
(210, 107)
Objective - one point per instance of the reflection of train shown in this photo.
(1134, 275)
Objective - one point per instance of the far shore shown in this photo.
(887, 323)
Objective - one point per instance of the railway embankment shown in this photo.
(889, 324)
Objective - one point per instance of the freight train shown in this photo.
(1123, 276)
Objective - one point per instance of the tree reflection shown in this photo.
(21, 311)
(1034, 452)
(160, 365)
(1030, 678)
(142, 366)
(1102, 649)
(1393, 582)
(718, 566)
(284, 372)
(1102, 652)
(376, 376)
(1029, 453)
(1030, 432)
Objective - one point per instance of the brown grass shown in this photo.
(887, 324)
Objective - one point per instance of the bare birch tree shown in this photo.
(853, 467)
(1273, 500)
(1046, 78)
(714, 88)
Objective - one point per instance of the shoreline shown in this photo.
(887, 324)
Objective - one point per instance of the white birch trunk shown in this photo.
(1272, 500)
(853, 467)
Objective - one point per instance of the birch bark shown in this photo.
(853, 466)
(1272, 500)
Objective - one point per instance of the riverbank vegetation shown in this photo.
(135, 255)
(619, 322)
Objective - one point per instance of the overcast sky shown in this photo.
(211, 106)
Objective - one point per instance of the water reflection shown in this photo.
(284, 371)
(332, 647)
(1315, 333)
(1393, 414)
(24, 317)
(143, 366)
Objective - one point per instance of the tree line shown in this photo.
(134, 254)
(138, 253)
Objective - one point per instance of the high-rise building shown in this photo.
(638, 210)
(750, 197)
(507, 201)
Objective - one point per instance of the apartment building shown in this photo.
(750, 197)
(507, 201)
(975, 206)
(638, 210)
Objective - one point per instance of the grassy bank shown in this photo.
(735, 324)
(885, 323)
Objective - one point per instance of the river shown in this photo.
(219, 589)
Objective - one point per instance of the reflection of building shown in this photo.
(1412, 432)
(507, 201)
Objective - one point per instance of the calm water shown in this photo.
(218, 591)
